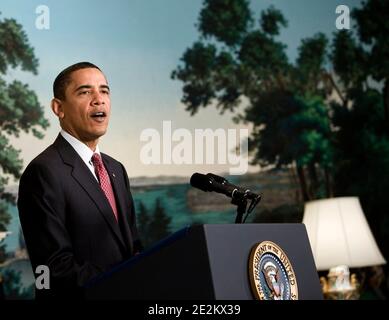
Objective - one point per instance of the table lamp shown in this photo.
(340, 239)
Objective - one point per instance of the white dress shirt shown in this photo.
(82, 150)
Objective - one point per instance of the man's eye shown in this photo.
(105, 91)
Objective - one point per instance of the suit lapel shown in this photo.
(84, 177)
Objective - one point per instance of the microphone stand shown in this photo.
(240, 200)
(240, 210)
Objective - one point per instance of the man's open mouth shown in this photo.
(99, 115)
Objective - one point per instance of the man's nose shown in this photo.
(97, 98)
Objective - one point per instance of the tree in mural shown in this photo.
(325, 115)
(361, 138)
(154, 226)
(236, 60)
(20, 110)
(13, 288)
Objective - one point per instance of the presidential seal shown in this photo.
(271, 274)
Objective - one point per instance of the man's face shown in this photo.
(87, 106)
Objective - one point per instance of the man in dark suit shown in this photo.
(75, 205)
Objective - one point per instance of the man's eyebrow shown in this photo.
(87, 86)
(84, 86)
(105, 86)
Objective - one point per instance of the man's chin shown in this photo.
(96, 134)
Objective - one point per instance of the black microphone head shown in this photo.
(200, 181)
(216, 178)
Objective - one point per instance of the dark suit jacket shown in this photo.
(67, 221)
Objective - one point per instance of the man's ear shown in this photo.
(57, 107)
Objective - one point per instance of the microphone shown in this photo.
(211, 182)
(214, 183)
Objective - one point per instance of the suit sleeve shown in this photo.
(42, 207)
(138, 247)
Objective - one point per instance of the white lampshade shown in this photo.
(339, 234)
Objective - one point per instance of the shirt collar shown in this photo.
(82, 149)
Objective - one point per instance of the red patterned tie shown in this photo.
(105, 183)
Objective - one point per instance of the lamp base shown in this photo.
(339, 285)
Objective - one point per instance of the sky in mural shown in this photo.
(138, 43)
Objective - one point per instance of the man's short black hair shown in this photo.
(63, 79)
